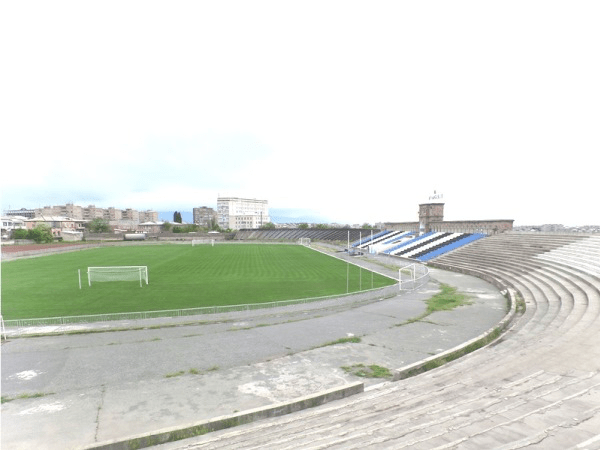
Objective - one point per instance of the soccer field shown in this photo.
(180, 276)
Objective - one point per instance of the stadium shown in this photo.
(308, 338)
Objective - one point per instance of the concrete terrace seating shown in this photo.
(536, 387)
(293, 234)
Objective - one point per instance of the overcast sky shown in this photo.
(356, 111)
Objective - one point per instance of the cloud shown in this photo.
(355, 113)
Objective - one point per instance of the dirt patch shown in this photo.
(37, 247)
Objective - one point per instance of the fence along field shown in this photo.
(180, 277)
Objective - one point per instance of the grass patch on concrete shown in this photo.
(496, 332)
(372, 371)
(192, 371)
(446, 300)
(346, 340)
(175, 374)
(520, 306)
(6, 398)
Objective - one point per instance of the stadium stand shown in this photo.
(448, 246)
(396, 236)
(405, 246)
(437, 239)
(382, 238)
(293, 234)
(537, 386)
(369, 239)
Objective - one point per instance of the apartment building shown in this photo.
(130, 215)
(92, 212)
(148, 216)
(113, 214)
(127, 218)
(237, 213)
(23, 212)
(204, 216)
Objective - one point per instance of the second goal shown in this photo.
(210, 242)
(118, 273)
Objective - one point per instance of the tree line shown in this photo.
(41, 234)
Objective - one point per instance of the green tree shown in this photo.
(303, 226)
(20, 233)
(320, 226)
(186, 228)
(366, 226)
(167, 226)
(98, 226)
(268, 226)
(213, 225)
(177, 217)
(41, 234)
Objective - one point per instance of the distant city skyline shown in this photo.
(284, 215)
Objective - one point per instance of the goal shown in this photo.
(118, 273)
(304, 241)
(210, 242)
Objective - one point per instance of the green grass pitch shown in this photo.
(180, 276)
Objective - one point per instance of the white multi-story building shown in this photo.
(237, 213)
(10, 223)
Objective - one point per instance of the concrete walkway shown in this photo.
(110, 386)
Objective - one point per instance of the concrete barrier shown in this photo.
(471, 345)
(233, 420)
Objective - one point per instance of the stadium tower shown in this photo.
(430, 213)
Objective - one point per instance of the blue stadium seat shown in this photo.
(446, 248)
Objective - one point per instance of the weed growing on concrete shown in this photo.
(6, 399)
(520, 304)
(372, 371)
(446, 300)
(175, 374)
(434, 363)
(192, 371)
(348, 340)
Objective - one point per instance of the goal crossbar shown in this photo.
(203, 241)
(118, 273)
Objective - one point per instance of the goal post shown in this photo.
(304, 241)
(210, 242)
(118, 273)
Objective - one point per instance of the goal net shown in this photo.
(304, 241)
(210, 242)
(118, 273)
